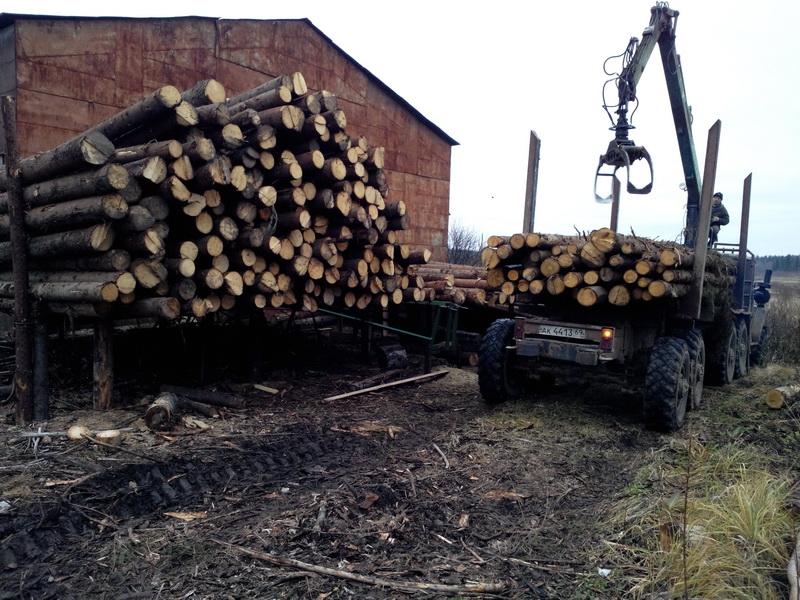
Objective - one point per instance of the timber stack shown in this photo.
(188, 203)
(458, 284)
(601, 267)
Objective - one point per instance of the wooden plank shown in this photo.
(388, 385)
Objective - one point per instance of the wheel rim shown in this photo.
(743, 350)
(730, 357)
(699, 376)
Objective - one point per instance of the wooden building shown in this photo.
(69, 73)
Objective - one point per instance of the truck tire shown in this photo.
(722, 363)
(742, 367)
(496, 378)
(757, 352)
(697, 357)
(667, 385)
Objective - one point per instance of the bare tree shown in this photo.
(463, 245)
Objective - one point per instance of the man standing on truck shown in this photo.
(719, 217)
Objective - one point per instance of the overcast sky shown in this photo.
(490, 73)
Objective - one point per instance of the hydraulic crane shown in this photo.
(622, 151)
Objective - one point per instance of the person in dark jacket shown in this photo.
(719, 217)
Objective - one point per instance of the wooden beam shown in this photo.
(387, 385)
(23, 312)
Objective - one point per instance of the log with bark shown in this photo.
(781, 396)
(268, 180)
(599, 267)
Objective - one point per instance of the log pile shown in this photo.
(188, 203)
(601, 267)
(459, 284)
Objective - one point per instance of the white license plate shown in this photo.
(565, 332)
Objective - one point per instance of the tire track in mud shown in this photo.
(35, 534)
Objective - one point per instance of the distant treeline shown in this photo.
(790, 262)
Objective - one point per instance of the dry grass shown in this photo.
(712, 524)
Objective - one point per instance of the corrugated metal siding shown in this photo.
(7, 61)
(72, 73)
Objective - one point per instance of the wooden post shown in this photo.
(103, 363)
(692, 302)
(616, 187)
(532, 183)
(743, 288)
(23, 377)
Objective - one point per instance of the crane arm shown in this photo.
(622, 151)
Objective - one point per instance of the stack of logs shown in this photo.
(188, 203)
(459, 284)
(597, 268)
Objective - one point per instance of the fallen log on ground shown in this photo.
(407, 586)
(781, 396)
(206, 396)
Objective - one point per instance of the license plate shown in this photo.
(565, 332)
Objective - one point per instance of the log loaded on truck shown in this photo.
(669, 316)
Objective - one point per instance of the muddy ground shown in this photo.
(414, 491)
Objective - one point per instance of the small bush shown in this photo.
(464, 245)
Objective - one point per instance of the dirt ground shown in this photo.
(414, 491)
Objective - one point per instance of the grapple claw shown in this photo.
(623, 154)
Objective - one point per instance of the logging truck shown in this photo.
(668, 317)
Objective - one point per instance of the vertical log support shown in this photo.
(531, 184)
(744, 280)
(692, 303)
(616, 188)
(103, 363)
(23, 325)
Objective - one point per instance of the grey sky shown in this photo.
(489, 73)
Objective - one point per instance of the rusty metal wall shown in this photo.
(72, 72)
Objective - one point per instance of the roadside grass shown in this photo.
(782, 345)
(712, 513)
(712, 522)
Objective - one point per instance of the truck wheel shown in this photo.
(697, 357)
(742, 367)
(496, 378)
(722, 364)
(667, 385)
(758, 350)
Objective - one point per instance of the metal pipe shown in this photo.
(381, 325)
